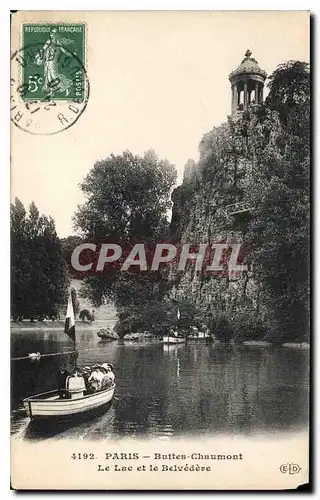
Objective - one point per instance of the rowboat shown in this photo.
(83, 390)
(49, 405)
(173, 340)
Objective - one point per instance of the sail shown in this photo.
(69, 326)
(178, 313)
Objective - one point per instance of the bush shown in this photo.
(86, 315)
(223, 329)
(246, 326)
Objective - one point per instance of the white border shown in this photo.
(80, 5)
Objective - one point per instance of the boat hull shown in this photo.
(173, 340)
(48, 405)
(199, 339)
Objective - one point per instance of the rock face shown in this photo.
(201, 215)
(107, 334)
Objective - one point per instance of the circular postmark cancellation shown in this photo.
(49, 88)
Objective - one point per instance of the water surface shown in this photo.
(165, 391)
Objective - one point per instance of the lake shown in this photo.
(168, 391)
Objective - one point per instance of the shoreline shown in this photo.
(16, 328)
(54, 325)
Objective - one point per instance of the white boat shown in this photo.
(49, 405)
(200, 337)
(173, 340)
(74, 397)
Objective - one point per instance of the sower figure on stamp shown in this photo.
(49, 58)
(62, 375)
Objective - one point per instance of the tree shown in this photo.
(39, 275)
(68, 246)
(289, 95)
(21, 268)
(86, 315)
(127, 200)
(278, 234)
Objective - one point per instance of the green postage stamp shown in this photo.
(56, 62)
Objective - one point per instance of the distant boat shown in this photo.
(173, 340)
(201, 337)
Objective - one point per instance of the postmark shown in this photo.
(49, 83)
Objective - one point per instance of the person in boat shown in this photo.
(108, 367)
(173, 332)
(195, 331)
(62, 376)
(101, 378)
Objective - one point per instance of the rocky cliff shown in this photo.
(229, 155)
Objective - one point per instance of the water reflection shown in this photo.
(171, 390)
(90, 423)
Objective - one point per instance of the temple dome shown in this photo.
(247, 83)
(248, 66)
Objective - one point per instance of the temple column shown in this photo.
(236, 97)
(232, 99)
(245, 95)
(256, 94)
(233, 103)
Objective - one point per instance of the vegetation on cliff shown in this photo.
(260, 157)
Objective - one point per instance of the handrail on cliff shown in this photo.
(238, 208)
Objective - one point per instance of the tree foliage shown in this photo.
(278, 234)
(289, 95)
(128, 197)
(127, 200)
(86, 315)
(39, 276)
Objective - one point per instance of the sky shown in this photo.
(157, 80)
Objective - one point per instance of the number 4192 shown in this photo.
(84, 456)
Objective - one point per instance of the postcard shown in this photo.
(160, 250)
